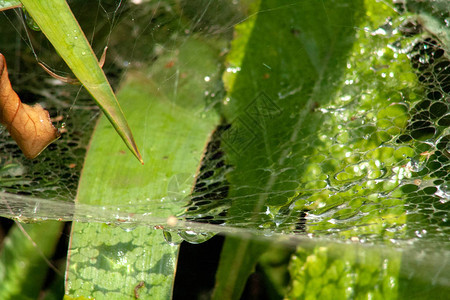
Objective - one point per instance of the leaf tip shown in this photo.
(135, 151)
(139, 157)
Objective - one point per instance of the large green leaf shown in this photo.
(289, 59)
(109, 262)
(294, 57)
(56, 20)
(358, 153)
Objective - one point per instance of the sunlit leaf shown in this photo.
(283, 63)
(110, 261)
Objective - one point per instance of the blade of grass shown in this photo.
(57, 22)
(108, 262)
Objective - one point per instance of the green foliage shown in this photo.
(376, 113)
(269, 105)
(270, 100)
(22, 258)
(352, 160)
(343, 273)
(109, 261)
(336, 112)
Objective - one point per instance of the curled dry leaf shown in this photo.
(29, 126)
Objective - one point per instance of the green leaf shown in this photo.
(110, 261)
(285, 60)
(295, 55)
(22, 266)
(343, 272)
(57, 22)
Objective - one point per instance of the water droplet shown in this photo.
(171, 239)
(420, 233)
(194, 237)
(233, 70)
(266, 225)
(443, 192)
(127, 227)
(83, 53)
(75, 37)
(415, 165)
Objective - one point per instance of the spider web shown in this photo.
(376, 172)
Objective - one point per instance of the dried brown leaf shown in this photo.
(29, 126)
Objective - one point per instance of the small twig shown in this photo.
(136, 289)
(60, 78)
